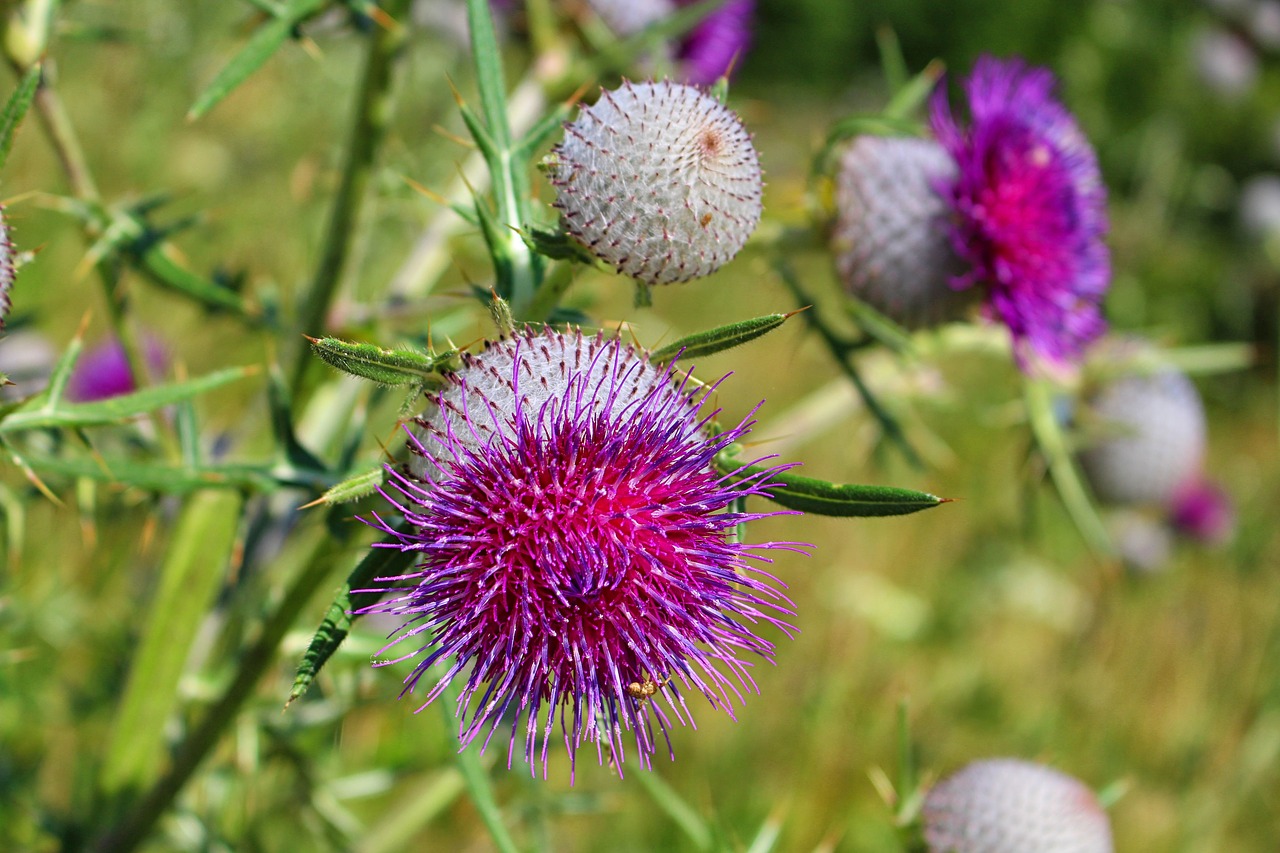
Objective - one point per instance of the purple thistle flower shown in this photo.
(103, 371)
(1029, 208)
(576, 549)
(709, 50)
(1202, 511)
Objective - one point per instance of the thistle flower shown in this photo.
(1152, 440)
(1028, 208)
(889, 237)
(1009, 806)
(577, 549)
(1202, 511)
(706, 52)
(659, 180)
(103, 371)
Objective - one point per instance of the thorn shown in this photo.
(380, 17)
(312, 49)
(457, 96)
(422, 190)
(315, 502)
(441, 130)
(800, 310)
(578, 94)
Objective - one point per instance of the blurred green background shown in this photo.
(989, 616)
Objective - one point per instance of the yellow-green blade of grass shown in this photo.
(193, 569)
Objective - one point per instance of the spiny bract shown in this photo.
(577, 557)
(659, 180)
(1005, 805)
(890, 237)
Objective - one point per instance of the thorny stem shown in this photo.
(66, 146)
(842, 349)
(373, 113)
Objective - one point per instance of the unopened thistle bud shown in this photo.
(658, 180)
(1151, 439)
(890, 238)
(1011, 806)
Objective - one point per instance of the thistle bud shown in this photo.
(1010, 806)
(890, 237)
(658, 180)
(1152, 439)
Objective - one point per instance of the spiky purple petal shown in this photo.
(1030, 209)
(575, 543)
(717, 43)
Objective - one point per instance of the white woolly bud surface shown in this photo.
(890, 236)
(628, 17)
(659, 180)
(1152, 438)
(553, 370)
(1010, 806)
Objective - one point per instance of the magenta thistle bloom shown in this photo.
(1202, 511)
(722, 37)
(1029, 209)
(578, 564)
(103, 371)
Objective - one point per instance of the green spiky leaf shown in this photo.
(16, 108)
(391, 367)
(719, 339)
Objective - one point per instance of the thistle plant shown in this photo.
(454, 465)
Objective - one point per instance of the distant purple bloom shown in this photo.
(716, 43)
(705, 53)
(1202, 510)
(578, 566)
(103, 371)
(1030, 209)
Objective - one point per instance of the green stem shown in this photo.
(841, 350)
(66, 146)
(374, 109)
(1066, 477)
(138, 823)
(549, 294)
(477, 781)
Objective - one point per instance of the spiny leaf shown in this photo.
(719, 339)
(352, 488)
(15, 108)
(158, 477)
(264, 42)
(400, 366)
(45, 410)
(841, 500)
(379, 562)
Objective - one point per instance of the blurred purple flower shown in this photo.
(706, 52)
(103, 370)
(718, 42)
(577, 549)
(1202, 510)
(1029, 208)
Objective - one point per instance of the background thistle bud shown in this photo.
(890, 237)
(1010, 806)
(1151, 439)
(658, 180)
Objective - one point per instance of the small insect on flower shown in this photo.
(573, 536)
(658, 180)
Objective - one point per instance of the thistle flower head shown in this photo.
(1202, 511)
(103, 371)
(659, 180)
(1151, 439)
(1009, 806)
(1029, 209)
(578, 564)
(890, 233)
